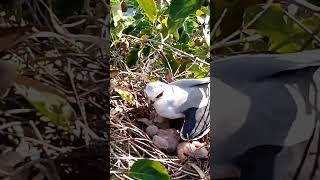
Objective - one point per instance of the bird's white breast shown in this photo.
(167, 111)
(168, 105)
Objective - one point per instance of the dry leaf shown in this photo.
(46, 100)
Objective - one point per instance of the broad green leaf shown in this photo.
(189, 25)
(133, 57)
(116, 11)
(149, 7)
(179, 10)
(141, 24)
(125, 95)
(199, 72)
(133, 4)
(146, 169)
(47, 102)
(185, 38)
(176, 34)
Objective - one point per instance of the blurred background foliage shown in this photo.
(264, 26)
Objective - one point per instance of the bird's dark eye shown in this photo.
(159, 95)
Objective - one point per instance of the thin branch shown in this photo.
(306, 29)
(239, 41)
(307, 5)
(217, 24)
(234, 34)
(173, 49)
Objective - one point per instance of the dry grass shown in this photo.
(72, 65)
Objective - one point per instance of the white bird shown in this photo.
(185, 98)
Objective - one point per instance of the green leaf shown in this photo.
(146, 51)
(125, 95)
(49, 104)
(185, 38)
(141, 24)
(198, 71)
(189, 25)
(146, 169)
(179, 10)
(133, 57)
(149, 7)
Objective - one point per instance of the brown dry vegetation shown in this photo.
(57, 57)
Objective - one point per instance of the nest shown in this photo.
(129, 141)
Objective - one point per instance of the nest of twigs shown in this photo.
(129, 141)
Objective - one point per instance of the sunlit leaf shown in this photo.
(199, 72)
(199, 12)
(165, 21)
(189, 25)
(125, 95)
(116, 11)
(179, 10)
(149, 7)
(145, 169)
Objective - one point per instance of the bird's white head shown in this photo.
(155, 90)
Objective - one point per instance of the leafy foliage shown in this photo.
(146, 169)
(280, 27)
(140, 31)
(149, 7)
(179, 10)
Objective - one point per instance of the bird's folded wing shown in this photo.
(198, 96)
(197, 123)
(183, 83)
(252, 67)
(196, 111)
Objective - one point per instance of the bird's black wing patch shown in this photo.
(196, 123)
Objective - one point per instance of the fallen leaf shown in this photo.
(125, 95)
(48, 101)
(146, 169)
